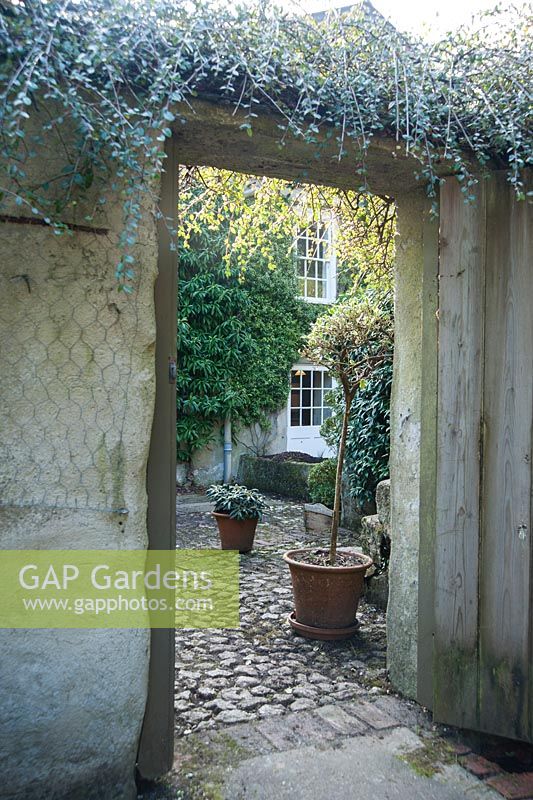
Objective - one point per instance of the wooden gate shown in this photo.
(483, 643)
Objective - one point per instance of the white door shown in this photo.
(308, 409)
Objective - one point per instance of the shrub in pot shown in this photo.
(237, 512)
(351, 340)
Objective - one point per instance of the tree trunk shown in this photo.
(338, 479)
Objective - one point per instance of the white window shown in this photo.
(308, 408)
(308, 405)
(316, 262)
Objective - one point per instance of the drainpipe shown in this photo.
(227, 449)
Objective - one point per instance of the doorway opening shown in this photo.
(262, 671)
(195, 143)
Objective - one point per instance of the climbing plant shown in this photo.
(110, 79)
(368, 439)
(237, 335)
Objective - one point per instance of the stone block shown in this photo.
(372, 715)
(371, 536)
(377, 590)
(383, 504)
(181, 474)
(340, 721)
(317, 517)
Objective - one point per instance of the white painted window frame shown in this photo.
(306, 367)
(329, 220)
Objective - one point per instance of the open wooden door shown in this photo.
(483, 643)
(156, 746)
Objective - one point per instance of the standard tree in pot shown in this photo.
(351, 340)
(237, 512)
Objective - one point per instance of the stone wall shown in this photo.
(374, 539)
(288, 478)
(76, 408)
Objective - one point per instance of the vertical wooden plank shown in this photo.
(461, 293)
(156, 748)
(428, 461)
(505, 588)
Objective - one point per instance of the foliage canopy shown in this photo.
(114, 72)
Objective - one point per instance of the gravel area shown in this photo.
(262, 670)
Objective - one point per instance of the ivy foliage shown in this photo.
(109, 75)
(237, 338)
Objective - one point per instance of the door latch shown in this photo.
(171, 369)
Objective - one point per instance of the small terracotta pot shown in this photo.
(325, 598)
(236, 534)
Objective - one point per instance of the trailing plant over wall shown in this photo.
(108, 78)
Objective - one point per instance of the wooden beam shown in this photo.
(209, 133)
(505, 558)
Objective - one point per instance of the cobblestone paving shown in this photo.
(264, 669)
(245, 698)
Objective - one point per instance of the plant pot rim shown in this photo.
(228, 516)
(327, 568)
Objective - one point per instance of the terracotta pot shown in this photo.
(325, 598)
(236, 534)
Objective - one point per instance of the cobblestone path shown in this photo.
(264, 669)
(262, 714)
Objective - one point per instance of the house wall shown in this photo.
(77, 398)
(207, 464)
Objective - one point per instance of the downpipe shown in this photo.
(227, 449)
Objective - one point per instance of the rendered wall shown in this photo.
(77, 398)
(207, 464)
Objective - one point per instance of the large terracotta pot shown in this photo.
(236, 534)
(325, 598)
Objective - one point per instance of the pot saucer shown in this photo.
(324, 634)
